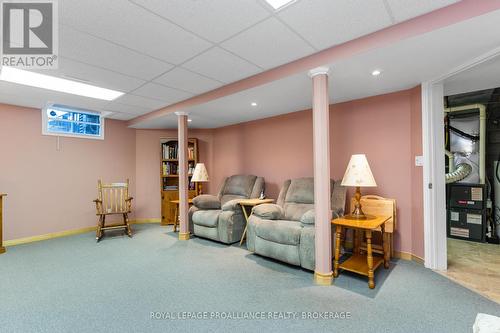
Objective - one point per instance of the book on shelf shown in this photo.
(169, 168)
(190, 153)
(169, 151)
(191, 168)
(170, 187)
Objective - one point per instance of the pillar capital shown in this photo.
(318, 71)
(181, 113)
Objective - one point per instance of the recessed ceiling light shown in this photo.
(32, 79)
(190, 120)
(376, 72)
(253, 104)
(279, 4)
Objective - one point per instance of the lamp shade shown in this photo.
(358, 172)
(200, 173)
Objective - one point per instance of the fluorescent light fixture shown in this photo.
(190, 120)
(14, 75)
(253, 104)
(376, 72)
(279, 4)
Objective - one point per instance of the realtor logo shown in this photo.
(29, 34)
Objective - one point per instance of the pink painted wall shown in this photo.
(380, 128)
(147, 165)
(50, 190)
(386, 128)
(277, 148)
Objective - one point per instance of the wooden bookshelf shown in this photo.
(169, 177)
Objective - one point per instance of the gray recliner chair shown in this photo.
(220, 217)
(285, 230)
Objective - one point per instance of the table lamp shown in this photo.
(358, 174)
(200, 175)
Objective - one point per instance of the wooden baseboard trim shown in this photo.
(397, 254)
(144, 221)
(65, 233)
(51, 235)
(408, 256)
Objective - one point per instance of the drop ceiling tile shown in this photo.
(20, 100)
(406, 9)
(268, 44)
(221, 65)
(237, 108)
(121, 116)
(214, 20)
(325, 23)
(134, 100)
(95, 51)
(188, 81)
(157, 91)
(167, 121)
(131, 26)
(131, 109)
(73, 70)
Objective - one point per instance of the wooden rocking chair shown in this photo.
(112, 199)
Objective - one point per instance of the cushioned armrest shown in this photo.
(268, 211)
(308, 217)
(337, 213)
(206, 201)
(232, 205)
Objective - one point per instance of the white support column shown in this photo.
(182, 152)
(435, 248)
(323, 274)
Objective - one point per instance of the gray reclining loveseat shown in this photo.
(285, 230)
(220, 217)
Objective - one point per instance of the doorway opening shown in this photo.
(472, 175)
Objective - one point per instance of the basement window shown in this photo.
(61, 120)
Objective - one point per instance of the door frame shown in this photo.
(434, 187)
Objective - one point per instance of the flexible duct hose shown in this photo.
(461, 171)
(451, 164)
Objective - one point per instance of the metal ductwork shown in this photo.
(460, 157)
(461, 171)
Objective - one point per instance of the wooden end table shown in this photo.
(2, 248)
(359, 263)
(176, 215)
(250, 203)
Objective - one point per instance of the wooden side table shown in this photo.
(2, 248)
(176, 215)
(360, 263)
(250, 203)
